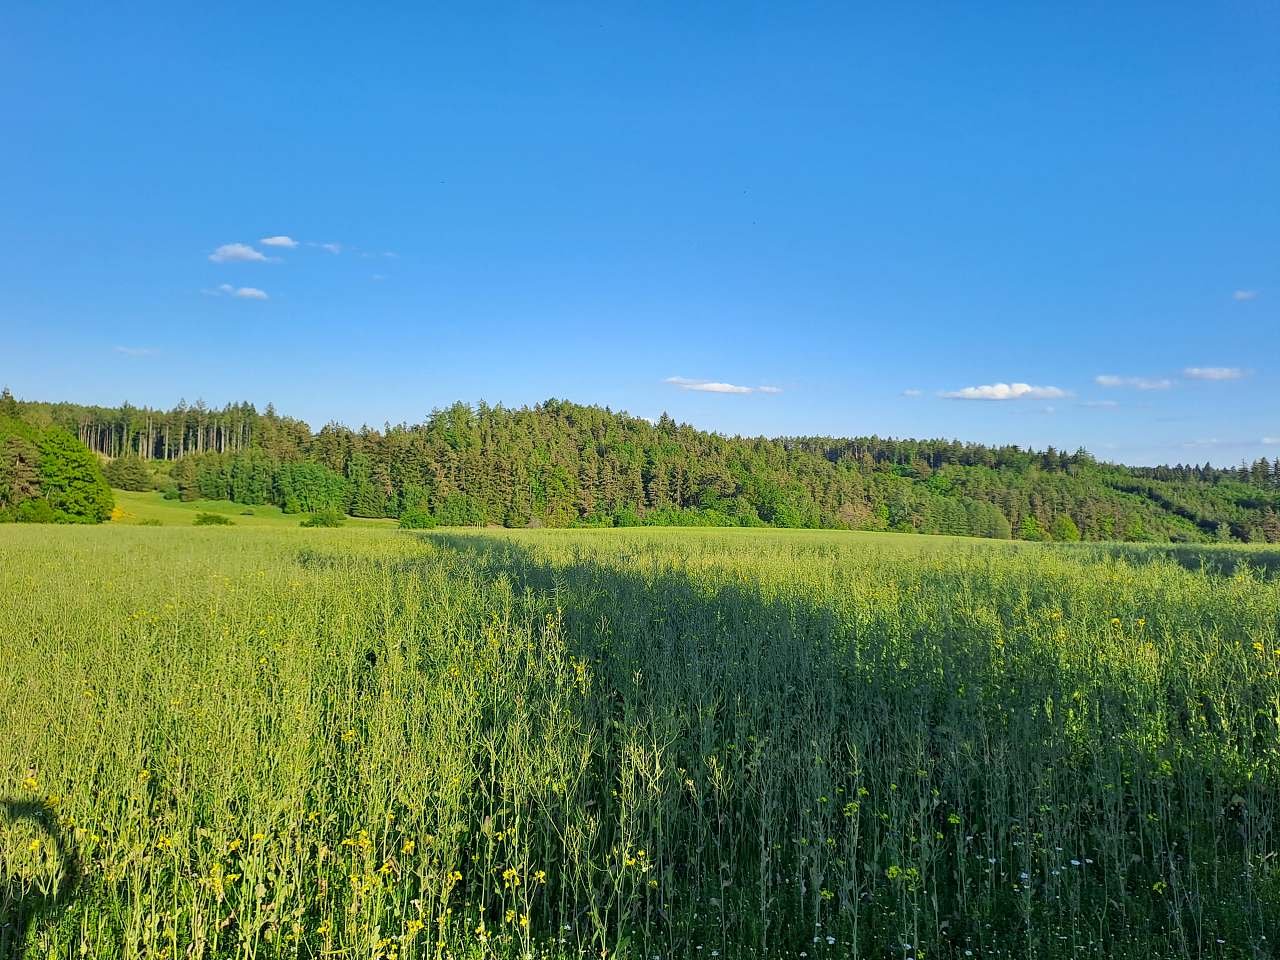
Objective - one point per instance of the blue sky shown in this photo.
(930, 220)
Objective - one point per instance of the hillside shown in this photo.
(565, 464)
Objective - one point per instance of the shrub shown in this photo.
(324, 518)
(213, 520)
(416, 518)
(35, 511)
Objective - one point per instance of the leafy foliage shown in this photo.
(46, 475)
(323, 518)
(212, 520)
(129, 473)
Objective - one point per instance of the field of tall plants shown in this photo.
(368, 743)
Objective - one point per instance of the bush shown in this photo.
(246, 513)
(213, 520)
(324, 518)
(35, 511)
(416, 518)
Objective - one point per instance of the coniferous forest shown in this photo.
(564, 464)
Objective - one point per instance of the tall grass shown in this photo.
(363, 743)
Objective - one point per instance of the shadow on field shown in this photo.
(1208, 558)
(722, 721)
(25, 902)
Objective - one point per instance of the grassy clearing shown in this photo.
(370, 743)
(152, 509)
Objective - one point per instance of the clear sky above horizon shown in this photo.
(1042, 224)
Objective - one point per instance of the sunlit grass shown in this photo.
(153, 510)
(369, 743)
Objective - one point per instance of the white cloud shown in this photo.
(279, 241)
(911, 392)
(244, 293)
(1245, 295)
(1213, 373)
(715, 386)
(331, 247)
(135, 351)
(1005, 391)
(1271, 441)
(236, 253)
(1137, 383)
(1099, 403)
(378, 276)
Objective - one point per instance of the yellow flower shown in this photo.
(407, 847)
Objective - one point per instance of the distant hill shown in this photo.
(562, 464)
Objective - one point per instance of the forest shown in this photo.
(561, 464)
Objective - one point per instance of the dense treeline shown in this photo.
(46, 474)
(563, 464)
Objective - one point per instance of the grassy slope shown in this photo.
(153, 508)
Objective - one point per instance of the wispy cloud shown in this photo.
(237, 253)
(1245, 295)
(911, 392)
(715, 386)
(378, 276)
(1006, 391)
(331, 247)
(244, 293)
(1099, 403)
(1213, 442)
(1214, 373)
(279, 241)
(1271, 441)
(1137, 383)
(135, 351)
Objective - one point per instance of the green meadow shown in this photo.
(260, 740)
